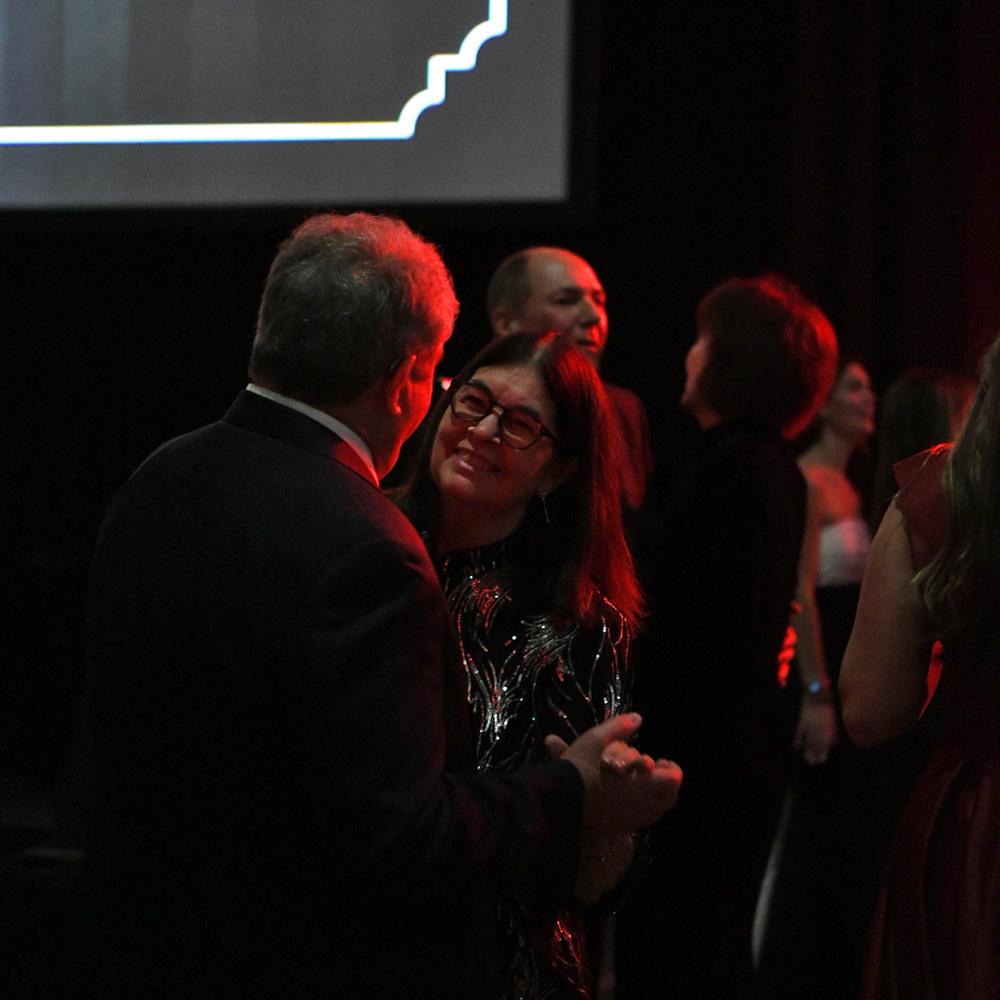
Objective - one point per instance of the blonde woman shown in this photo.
(934, 573)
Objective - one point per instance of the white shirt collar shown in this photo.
(332, 423)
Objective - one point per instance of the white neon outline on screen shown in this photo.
(404, 127)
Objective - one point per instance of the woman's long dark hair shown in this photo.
(563, 565)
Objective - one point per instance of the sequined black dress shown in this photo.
(529, 675)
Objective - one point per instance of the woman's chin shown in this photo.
(458, 487)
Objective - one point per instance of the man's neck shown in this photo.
(343, 421)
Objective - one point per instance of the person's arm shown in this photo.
(606, 858)
(816, 731)
(374, 738)
(883, 680)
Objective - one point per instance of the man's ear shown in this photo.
(395, 382)
(504, 322)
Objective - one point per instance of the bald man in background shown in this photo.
(551, 288)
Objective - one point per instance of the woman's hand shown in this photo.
(624, 790)
(606, 857)
(816, 733)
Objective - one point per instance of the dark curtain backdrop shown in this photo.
(894, 182)
(852, 145)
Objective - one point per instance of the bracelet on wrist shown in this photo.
(818, 691)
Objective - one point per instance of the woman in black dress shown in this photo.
(726, 553)
(517, 493)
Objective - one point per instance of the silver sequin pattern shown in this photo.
(531, 675)
(528, 676)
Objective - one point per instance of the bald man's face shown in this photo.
(566, 296)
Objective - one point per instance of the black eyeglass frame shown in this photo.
(501, 413)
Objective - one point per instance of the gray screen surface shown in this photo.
(501, 133)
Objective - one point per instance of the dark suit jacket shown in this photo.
(635, 455)
(285, 803)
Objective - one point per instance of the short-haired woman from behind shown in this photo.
(731, 534)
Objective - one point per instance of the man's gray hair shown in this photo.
(347, 297)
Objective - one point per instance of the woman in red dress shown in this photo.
(934, 574)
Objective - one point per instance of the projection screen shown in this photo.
(214, 103)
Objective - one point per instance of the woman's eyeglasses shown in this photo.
(518, 427)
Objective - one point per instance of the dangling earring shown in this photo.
(545, 508)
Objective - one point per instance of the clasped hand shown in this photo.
(624, 790)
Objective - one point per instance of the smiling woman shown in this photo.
(517, 494)
(491, 459)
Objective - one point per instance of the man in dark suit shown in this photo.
(285, 802)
